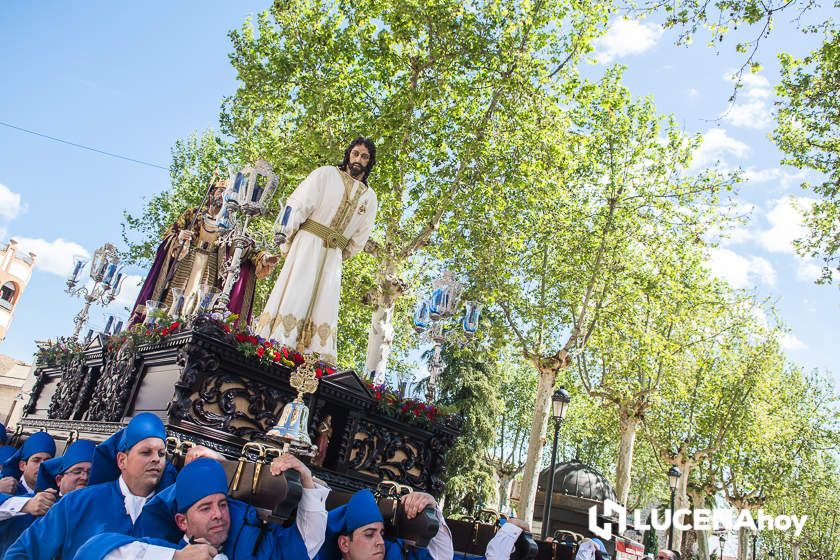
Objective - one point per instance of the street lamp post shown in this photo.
(722, 539)
(559, 404)
(673, 479)
(754, 539)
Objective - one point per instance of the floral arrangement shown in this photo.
(142, 334)
(272, 352)
(393, 404)
(58, 353)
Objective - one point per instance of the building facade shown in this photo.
(15, 272)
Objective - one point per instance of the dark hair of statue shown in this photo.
(371, 148)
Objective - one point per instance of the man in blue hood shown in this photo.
(195, 518)
(21, 468)
(356, 531)
(60, 476)
(139, 453)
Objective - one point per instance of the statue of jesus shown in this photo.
(326, 220)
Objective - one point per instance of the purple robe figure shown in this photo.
(187, 260)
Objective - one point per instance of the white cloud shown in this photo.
(808, 271)
(741, 271)
(751, 108)
(55, 257)
(785, 224)
(791, 342)
(716, 146)
(626, 37)
(785, 178)
(693, 93)
(10, 203)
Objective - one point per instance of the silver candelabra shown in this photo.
(433, 323)
(107, 279)
(247, 194)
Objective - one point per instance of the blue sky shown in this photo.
(133, 78)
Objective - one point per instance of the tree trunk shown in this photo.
(681, 498)
(536, 440)
(383, 296)
(628, 425)
(505, 481)
(687, 544)
(698, 501)
(702, 544)
(380, 338)
(743, 544)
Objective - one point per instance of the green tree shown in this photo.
(808, 132)
(595, 213)
(469, 385)
(701, 408)
(507, 452)
(432, 83)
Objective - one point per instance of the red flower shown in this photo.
(378, 395)
(276, 356)
(174, 326)
(226, 328)
(260, 351)
(240, 337)
(330, 371)
(297, 358)
(285, 352)
(164, 332)
(252, 339)
(318, 373)
(267, 344)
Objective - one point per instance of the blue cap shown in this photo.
(359, 511)
(39, 442)
(197, 480)
(142, 426)
(79, 452)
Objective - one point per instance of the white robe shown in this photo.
(319, 198)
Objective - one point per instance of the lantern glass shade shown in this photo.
(471, 316)
(421, 316)
(673, 477)
(79, 262)
(282, 221)
(98, 265)
(560, 403)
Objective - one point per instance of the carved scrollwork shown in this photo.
(73, 375)
(35, 393)
(114, 387)
(390, 455)
(237, 405)
(196, 362)
(438, 447)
